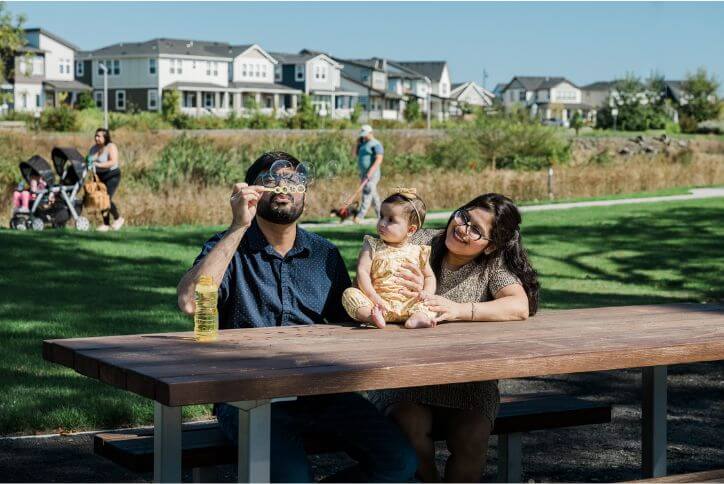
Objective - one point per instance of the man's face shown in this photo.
(281, 208)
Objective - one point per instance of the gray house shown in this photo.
(440, 83)
(319, 76)
(369, 79)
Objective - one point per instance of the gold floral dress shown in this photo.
(386, 266)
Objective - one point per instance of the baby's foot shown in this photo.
(377, 317)
(419, 320)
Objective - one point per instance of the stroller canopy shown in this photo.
(37, 165)
(69, 165)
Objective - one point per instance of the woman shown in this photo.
(483, 274)
(104, 155)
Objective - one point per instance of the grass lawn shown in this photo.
(61, 284)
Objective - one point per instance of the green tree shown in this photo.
(12, 38)
(700, 96)
(577, 122)
(412, 111)
(356, 113)
(640, 105)
(171, 105)
(85, 101)
(305, 118)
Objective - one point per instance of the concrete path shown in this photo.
(694, 194)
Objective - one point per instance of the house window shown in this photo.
(257, 70)
(61, 67)
(299, 72)
(98, 96)
(116, 67)
(179, 66)
(152, 66)
(79, 68)
(193, 64)
(67, 66)
(216, 68)
(121, 100)
(264, 71)
(243, 70)
(521, 95)
(37, 101)
(152, 99)
(324, 71)
(208, 68)
(278, 73)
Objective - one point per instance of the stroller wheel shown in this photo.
(18, 223)
(37, 224)
(82, 224)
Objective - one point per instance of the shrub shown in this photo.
(197, 160)
(171, 105)
(61, 118)
(640, 106)
(412, 111)
(356, 113)
(305, 117)
(700, 92)
(688, 124)
(85, 101)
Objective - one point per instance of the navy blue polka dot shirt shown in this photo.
(261, 288)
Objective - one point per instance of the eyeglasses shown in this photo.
(462, 218)
(283, 171)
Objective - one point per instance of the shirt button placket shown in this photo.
(284, 274)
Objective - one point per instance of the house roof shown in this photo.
(303, 56)
(599, 86)
(53, 36)
(168, 46)
(392, 95)
(262, 86)
(460, 87)
(499, 87)
(533, 83)
(31, 50)
(402, 71)
(431, 69)
(67, 86)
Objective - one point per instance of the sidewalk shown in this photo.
(694, 194)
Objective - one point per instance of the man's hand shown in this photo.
(244, 199)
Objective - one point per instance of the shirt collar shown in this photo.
(257, 242)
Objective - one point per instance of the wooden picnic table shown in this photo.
(251, 368)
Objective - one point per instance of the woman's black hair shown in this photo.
(506, 240)
(106, 136)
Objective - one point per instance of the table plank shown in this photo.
(263, 363)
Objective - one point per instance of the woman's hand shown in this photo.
(411, 279)
(446, 309)
(244, 200)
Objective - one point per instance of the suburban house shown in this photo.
(469, 94)
(212, 77)
(408, 83)
(368, 78)
(42, 73)
(317, 75)
(440, 84)
(546, 97)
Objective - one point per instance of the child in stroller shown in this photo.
(22, 195)
(53, 204)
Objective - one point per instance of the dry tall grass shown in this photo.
(703, 165)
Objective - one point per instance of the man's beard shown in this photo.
(280, 214)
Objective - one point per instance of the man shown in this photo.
(370, 154)
(273, 273)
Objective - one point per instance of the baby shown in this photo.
(379, 299)
(22, 196)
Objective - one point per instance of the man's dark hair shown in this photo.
(264, 162)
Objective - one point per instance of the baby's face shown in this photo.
(393, 225)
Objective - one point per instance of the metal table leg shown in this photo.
(653, 422)
(254, 440)
(166, 443)
(510, 457)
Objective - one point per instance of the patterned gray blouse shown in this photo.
(473, 282)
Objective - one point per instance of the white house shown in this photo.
(545, 97)
(440, 84)
(369, 79)
(469, 94)
(43, 73)
(212, 77)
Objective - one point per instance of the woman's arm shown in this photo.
(112, 157)
(510, 304)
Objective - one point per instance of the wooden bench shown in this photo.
(204, 445)
(716, 475)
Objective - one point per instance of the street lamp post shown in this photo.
(429, 101)
(614, 113)
(105, 94)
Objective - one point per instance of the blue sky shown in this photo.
(585, 42)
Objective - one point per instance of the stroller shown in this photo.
(56, 204)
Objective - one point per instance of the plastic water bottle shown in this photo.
(206, 316)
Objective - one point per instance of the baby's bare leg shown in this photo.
(419, 320)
